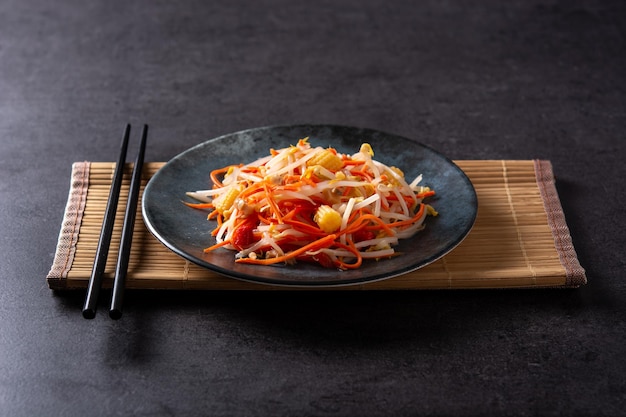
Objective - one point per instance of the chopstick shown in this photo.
(102, 251)
(115, 312)
(104, 241)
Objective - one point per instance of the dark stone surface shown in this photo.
(474, 80)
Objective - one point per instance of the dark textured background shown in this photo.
(472, 79)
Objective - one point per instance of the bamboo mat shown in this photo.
(520, 238)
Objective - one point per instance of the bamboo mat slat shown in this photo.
(520, 239)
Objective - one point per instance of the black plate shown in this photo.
(186, 231)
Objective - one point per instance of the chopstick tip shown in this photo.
(115, 314)
(89, 313)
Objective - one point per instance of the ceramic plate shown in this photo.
(186, 231)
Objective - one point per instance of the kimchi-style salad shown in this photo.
(313, 204)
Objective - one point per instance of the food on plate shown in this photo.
(313, 204)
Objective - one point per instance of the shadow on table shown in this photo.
(372, 318)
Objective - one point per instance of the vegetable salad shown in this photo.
(312, 204)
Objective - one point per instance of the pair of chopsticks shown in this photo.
(102, 251)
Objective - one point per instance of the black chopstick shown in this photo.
(115, 312)
(102, 251)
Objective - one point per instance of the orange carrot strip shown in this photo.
(251, 189)
(273, 206)
(263, 219)
(362, 173)
(291, 179)
(407, 198)
(315, 245)
(309, 181)
(291, 213)
(410, 221)
(425, 194)
(350, 247)
(304, 227)
(220, 221)
(198, 205)
(215, 173)
(294, 186)
(217, 245)
(360, 222)
(352, 162)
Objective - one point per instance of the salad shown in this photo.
(313, 204)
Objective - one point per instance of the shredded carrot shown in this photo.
(363, 220)
(305, 228)
(315, 245)
(199, 205)
(425, 194)
(215, 174)
(352, 162)
(415, 218)
(273, 206)
(217, 245)
(308, 181)
(350, 247)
